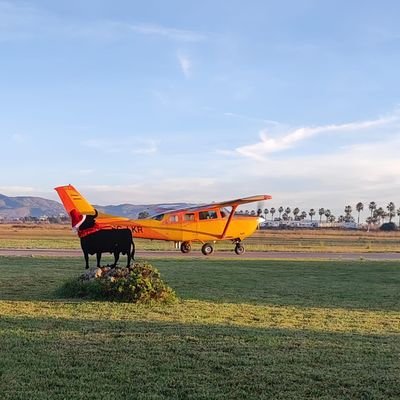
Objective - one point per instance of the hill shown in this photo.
(29, 206)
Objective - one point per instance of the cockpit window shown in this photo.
(224, 212)
(158, 217)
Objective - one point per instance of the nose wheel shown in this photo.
(207, 249)
(239, 249)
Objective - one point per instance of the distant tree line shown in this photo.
(378, 215)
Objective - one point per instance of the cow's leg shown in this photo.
(116, 257)
(131, 256)
(86, 255)
(98, 257)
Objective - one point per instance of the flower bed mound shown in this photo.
(140, 283)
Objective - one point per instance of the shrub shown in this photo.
(140, 283)
(388, 226)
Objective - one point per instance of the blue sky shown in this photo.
(161, 101)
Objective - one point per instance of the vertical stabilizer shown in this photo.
(72, 199)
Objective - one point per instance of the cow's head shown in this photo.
(89, 221)
(80, 221)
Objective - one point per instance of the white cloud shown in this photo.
(18, 138)
(250, 118)
(23, 21)
(169, 33)
(190, 189)
(289, 140)
(17, 190)
(132, 145)
(185, 64)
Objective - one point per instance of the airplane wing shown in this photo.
(72, 199)
(230, 203)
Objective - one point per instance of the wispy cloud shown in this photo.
(17, 190)
(250, 118)
(190, 189)
(269, 144)
(22, 21)
(131, 145)
(169, 33)
(18, 138)
(185, 64)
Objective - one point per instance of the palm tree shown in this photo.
(331, 218)
(369, 221)
(391, 208)
(296, 213)
(372, 207)
(398, 213)
(280, 211)
(285, 216)
(266, 211)
(348, 210)
(379, 214)
(327, 214)
(259, 212)
(359, 208)
(287, 211)
(311, 213)
(252, 213)
(321, 212)
(272, 211)
(303, 215)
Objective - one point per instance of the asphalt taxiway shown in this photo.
(271, 255)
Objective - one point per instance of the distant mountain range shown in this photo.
(30, 206)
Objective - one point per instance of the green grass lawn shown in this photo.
(244, 329)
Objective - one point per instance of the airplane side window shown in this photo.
(212, 214)
(208, 215)
(173, 218)
(203, 214)
(158, 217)
(188, 217)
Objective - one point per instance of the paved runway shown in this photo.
(272, 255)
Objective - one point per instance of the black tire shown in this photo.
(207, 249)
(239, 249)
(186, 247)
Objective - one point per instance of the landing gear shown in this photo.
(186, 247)
(207, 249)
(239, 249)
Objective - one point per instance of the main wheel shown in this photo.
(239, 249)
(207, 249)
(186, 247)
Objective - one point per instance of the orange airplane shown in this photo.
(206, 224)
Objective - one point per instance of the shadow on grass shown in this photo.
(333, 284)
(100, 359)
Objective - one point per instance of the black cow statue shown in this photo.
(100, 241)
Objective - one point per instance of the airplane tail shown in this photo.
(73, 200)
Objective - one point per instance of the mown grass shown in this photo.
(243, 329)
